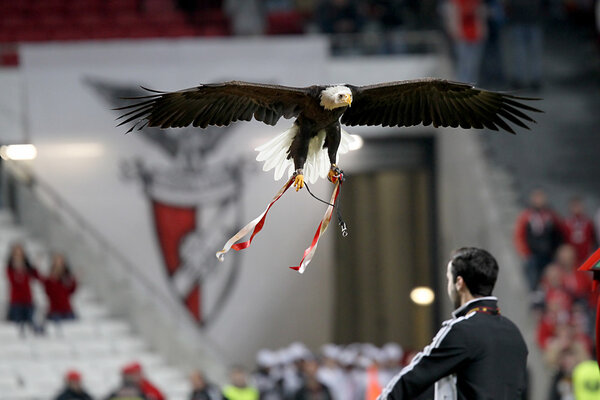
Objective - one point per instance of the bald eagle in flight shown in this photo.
(309, 149)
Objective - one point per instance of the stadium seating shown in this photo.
(32, 367)
(58, 20)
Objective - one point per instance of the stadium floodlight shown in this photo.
(422, 295)
(18, 152)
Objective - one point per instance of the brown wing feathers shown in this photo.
(407, 103)
(437, 102)
(215, 104)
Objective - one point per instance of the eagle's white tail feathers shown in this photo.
(274, 153)
(345, 143)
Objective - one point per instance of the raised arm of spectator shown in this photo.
(33, 272)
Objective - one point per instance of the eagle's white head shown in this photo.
(335, 97)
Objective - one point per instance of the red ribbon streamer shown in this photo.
(310, 251)
(256, 224)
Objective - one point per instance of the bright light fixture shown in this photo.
(18, 152)
(357, 142)
(422, 295)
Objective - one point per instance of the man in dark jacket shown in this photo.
(526, 39)
(538, 233)
(73, 389)
(478, 354)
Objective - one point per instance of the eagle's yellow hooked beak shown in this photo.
(348, 99)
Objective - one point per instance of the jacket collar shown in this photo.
(487, 301)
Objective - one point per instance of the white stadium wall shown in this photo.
(12, 111)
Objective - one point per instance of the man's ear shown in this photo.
(459, 283)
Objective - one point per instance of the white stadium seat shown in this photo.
(111, 328)
(129, 345)
(93, 348)
(20, 350)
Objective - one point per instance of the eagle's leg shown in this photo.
(298, 179)
(332, 142)
(298, 152)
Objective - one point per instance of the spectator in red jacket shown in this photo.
(466, 23)
(20, 273)
(579, 230)
(538, 233)
(60, 286)
(134, 373)
(578, 284)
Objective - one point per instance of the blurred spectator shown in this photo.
(466, 24)
(387, 13)
(538, 233)
(267, 381)
(353, 378)
(239, 388)
(582, 318)
(586, 381)
(135, 373)
(312, 388)
(339, 16)
(73, 389)
(330, 372)
(373, 385)
(392, 361)
(201, 389)
(130, 387)
(524, 23)
(60, 286)
(566, 340)
(20, 272)
(561, 387)
(493, 60)
(576, 283)
(553, 285)
(580, 231)
(247, 16)
(295, 355)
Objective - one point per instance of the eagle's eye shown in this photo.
(340, 96)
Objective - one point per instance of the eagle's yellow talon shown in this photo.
(299, 182)
(330, 175)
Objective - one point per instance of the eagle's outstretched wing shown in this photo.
(217, 104)
(435, 101)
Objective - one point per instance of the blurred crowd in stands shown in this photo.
(354, 372)
(552, 248)
(59, 285)
(496, 43)
(134, 386)
(479, 30)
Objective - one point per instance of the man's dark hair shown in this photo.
(477, 267)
